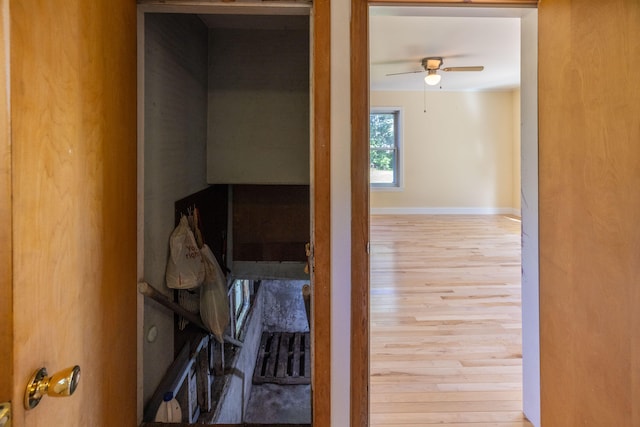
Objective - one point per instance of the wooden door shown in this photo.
(73, 173)
(589, 142)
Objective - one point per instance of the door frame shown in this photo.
(6, 207)
(320, 139)
(360, 188)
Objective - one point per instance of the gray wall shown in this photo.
(258, 106)
(175, 129)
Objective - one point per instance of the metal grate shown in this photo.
(283, 358)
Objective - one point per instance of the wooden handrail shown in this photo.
(149, 291)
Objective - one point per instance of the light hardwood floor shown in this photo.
(445, 321)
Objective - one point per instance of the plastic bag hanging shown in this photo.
(185, 269)
(214, 303)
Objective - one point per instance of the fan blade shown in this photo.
(406, 72)
(474, 68)
(395, 62)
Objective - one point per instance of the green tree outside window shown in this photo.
(383, 147)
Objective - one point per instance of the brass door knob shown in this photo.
(5, 414)
(60, 384)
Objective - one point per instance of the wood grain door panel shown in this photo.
(73, 112)
(589, 98)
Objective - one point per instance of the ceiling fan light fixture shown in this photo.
(432, 78)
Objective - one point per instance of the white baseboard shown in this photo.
(445, 211)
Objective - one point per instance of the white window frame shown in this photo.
(397, 185)
(238, 311)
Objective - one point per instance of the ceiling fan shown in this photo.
(434, 63)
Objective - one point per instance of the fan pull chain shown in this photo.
(424, 94)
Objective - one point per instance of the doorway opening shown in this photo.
(200, 53)
(528, 127)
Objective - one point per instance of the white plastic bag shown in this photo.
(185, 269)
(214, 303)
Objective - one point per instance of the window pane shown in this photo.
(382, 130)
(383, 140)
(237, 296)
(246, 292)
(382, 164)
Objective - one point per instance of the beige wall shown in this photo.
(458, 156)
(516, 149)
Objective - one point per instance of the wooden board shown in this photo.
(360, 212)
(73, 111)
(589, 204)
(283, 358)
(321, 215)
(270, 222)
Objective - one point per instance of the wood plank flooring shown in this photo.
(445, 321)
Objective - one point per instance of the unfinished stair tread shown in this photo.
(283, 358)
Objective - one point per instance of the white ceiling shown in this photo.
(401, 36)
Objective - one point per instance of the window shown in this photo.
(239, 301)
(384, 145)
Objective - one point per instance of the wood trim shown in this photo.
(359, 213)
(222, 7)
(360, 190)
(6, 285)
(321, 205)
(182, 6)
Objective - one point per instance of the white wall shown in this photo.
(458, 155)
(340, 214)
(530, 243)
(175, 108)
